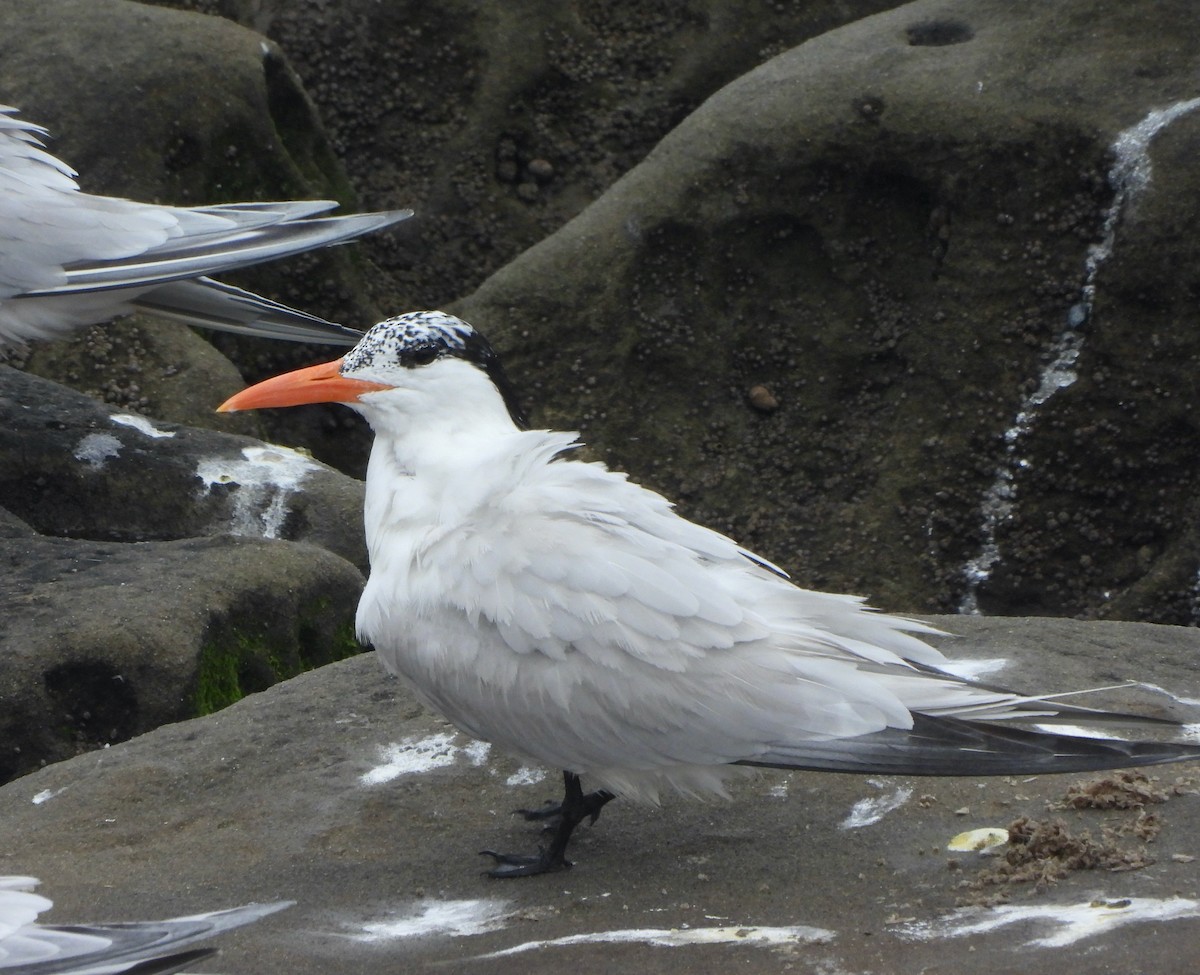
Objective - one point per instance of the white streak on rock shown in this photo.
(96, 448)
(448, 918)
(525, 776)
(764, 937)
(867, 812)
(413, 756)
(1190, 701)
(140, 424)
(1068, 923)
(266, 477)
(1129, 176)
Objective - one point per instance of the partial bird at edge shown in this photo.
(147, 947)
(70, 259)
(572, 617)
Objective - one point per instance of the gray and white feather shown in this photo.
(70, 259)
(147, 947)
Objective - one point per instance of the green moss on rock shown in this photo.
(240, 662)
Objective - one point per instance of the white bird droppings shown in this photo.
(1190, 701)
(1128, 177)
(679, 937)
(414, 755)
(46, 794)
(525, 776)
(867, 812)
(96, 448)
(452, 918)
(140, 424)
(265, 478)
(1068, 923)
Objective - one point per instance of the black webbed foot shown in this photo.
(561, 819)
(585, 807)
(551, 810)
(519, 865)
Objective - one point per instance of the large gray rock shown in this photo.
(498, 122)
(831, 294)
(147, 366)
(70, 466)
(103, 641)
(892, 231)
(137, 604)
(337, 790)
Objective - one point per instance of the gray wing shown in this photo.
(950, 746)
(206, 303)
(142, 946)
(258, 235)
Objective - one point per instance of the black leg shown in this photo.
(573, 810)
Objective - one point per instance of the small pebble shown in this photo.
(762, 399)
(541, 169)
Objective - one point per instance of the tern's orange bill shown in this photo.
(316, 384)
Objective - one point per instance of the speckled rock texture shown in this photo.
(912, 297)
(338, 791)
(499, 121)
(897, 229)
(819, 311)
(822, 312)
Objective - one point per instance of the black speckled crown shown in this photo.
(418, 338)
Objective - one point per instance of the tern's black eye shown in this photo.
(421, 356)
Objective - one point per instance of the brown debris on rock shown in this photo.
(1120, 790)
(1043, 852)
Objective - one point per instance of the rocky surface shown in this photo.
(72, 467)
(498, 122)
(914, 232)
(129, 599)
(335, 789)
(104, 641)
(849, 309)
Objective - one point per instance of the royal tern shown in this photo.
(70, 259)
(566, 614)
(145, 947)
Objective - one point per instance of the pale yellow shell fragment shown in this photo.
(978, 840)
